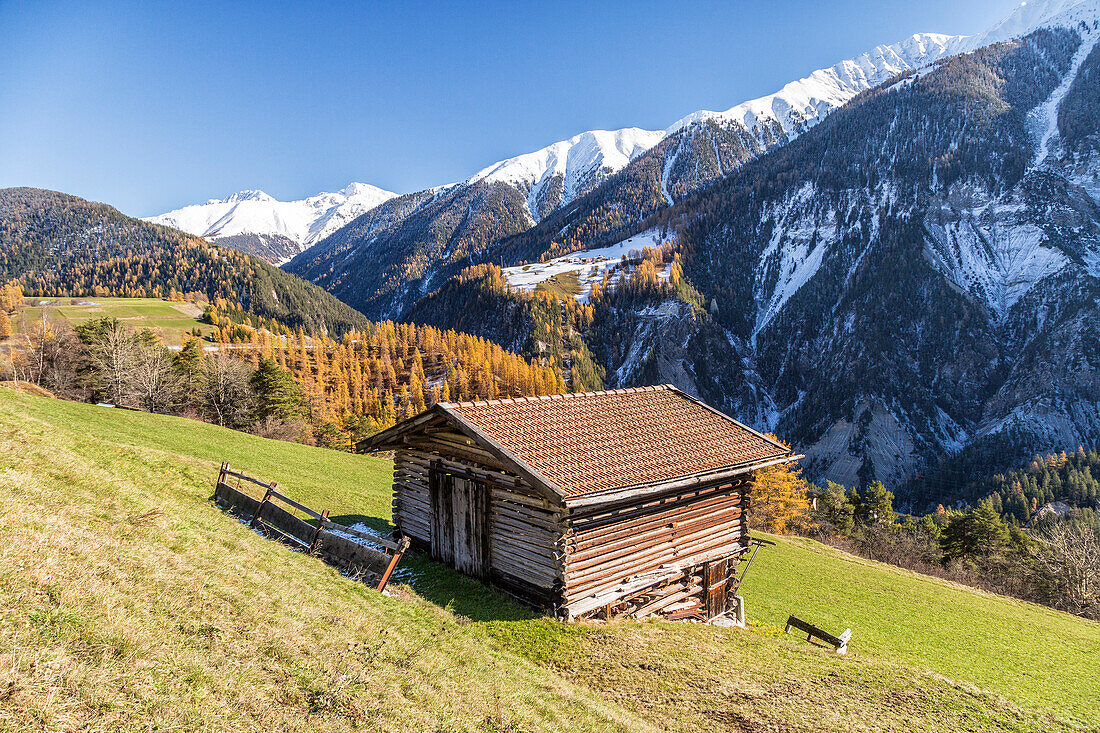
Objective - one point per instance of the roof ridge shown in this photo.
(564, 395)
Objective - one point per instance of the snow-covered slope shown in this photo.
(303, 222)
(555, 175)
(558, 173)
(801, 103)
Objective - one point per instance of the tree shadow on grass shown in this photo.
(375, 524)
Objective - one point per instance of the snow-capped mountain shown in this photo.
(554, 176)
(558, 173)
(416, 237)
(888, 280)
(277, 230)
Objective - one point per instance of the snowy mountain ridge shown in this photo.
(253, 212)
(587, 158)
(557, 174)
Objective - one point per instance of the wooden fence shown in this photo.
(275, 514)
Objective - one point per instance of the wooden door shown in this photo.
(460, 525)
(716, 586)
(470, 527)
(443, 547)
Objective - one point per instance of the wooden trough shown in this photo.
(337, 544)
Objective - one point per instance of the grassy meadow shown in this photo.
(168, 320)
(127, 597)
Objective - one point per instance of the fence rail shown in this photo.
(336, 543)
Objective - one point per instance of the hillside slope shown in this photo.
(126, 595)
(57, 244)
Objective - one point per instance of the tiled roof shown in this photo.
(598, 441)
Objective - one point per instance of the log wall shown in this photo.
(525, 529)
(612, 553)
(638, 558)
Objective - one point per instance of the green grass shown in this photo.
(129, 602)
(564, 285)
(112, 615)
(168, 320)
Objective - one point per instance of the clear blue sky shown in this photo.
(149, 106)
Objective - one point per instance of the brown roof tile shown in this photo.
(597, 441)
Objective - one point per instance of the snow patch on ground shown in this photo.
(794, 254)
(1044, 118)
(588, 265)
(401, 574)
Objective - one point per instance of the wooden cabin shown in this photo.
(629, 501)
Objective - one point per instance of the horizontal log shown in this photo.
(412, 478)
(525, 572)
(412, 473)
(540, 544)
(452, 436)
(671, 542)
(244, 477)
(656, 605)
(499, 547)
(503, 479)
(420, 498)
(412, 527)
(576, 605)
(528, 523)
(658, 535)
(467, 455)
(591, 520)
(627, 565)
(535, 502)
(582, 541)
(544, 593)
(520, 509)
(594, 579)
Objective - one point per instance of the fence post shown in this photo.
(260, 507)
(401, 547)
(317, 534)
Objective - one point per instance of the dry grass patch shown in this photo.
(126, 601)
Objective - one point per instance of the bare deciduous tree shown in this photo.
(1068, 565)
(151, 381)
(226, 395)
(113, 353)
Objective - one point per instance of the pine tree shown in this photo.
(977, 533)
(277, 394)
(875, 505)
(188, 364)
